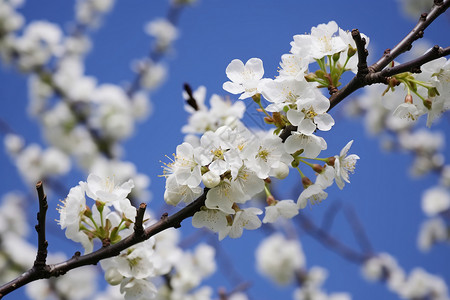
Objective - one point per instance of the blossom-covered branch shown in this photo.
(112, 250)
(376, 72)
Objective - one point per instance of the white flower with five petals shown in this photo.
(244, 78)
(311, 113)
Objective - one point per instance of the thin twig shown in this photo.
(330, 215)
(358, 230)
(138, 228)
(362, 53)
(41, 256)
(414, 65)
(331, 242)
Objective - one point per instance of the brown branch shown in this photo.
(331, 242)
(191, 101)
(138, 228)
(362, 52)
(417, 32)
(41, 256)
(106, 252)
(358, 230)
(414, 65)
(376, 72)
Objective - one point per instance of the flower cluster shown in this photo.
(396, 118)
(137, 268)
(235, 164)
(221, 112)
(282, 260)
(419, 284)
(84, 223)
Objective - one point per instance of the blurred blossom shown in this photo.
(39, 42)
(435, 200)
(36, 164)
(432, 231)
(423, 285)
(13, 218)
(113, 114)
(163, 31)
(89, 12)
(414, 8)
(279, 258)
(152, 74)
(13, 144)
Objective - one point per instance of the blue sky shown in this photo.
(213, 32)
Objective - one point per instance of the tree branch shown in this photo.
(362, 53)
(417, 32)
(413, 66)
(106, 252)
(41, 256)
(334, 244)
(377, 73)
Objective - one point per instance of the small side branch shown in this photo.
(138, 228)
(362, 52)
(377, 72)
(40, 228)
(413, 66)
(191, 101)
(417, 32)
(334, 244)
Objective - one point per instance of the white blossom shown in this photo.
(284, 208)
(278, 258)
(344, 164)
(431, 231)
(311, 145)
(435, 200)
(164, 32)
(309, 114)
(314, 193)
(244, 78)
(105, 190)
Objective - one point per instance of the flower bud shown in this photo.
(278, 119)
(409, 99)
(268, 120)
(351, 51)
(427, 103)
(393, 82)
(317, 168)
(87, 212)
(433, 92)
(256, 98)
(311, 77)
(210, 179)
(331, 160)
(271, 200)
(336, 56)
(321, 74)
(306, 182)
(100, 205)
